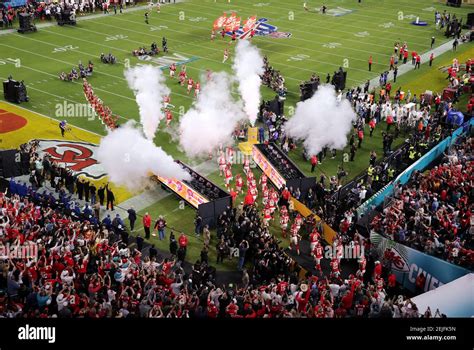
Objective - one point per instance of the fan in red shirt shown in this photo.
(183, 241)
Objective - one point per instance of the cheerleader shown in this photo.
(247, 166)
(226, 55)
(172, 70)
(228, 175)
(222, 164)
(230, 154)
(169, 117)
(197, 88)
(239, 183)
(166, 101)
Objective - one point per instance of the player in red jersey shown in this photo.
(239, 183)
(335, 272)
(222, 164)
(228, 175)
(169, 117)
(295, 239)
(197, 89)
(190, 84)
(284, 219)
(317, 252)
(267, 216)
(172, 70)
(313, 239)
(182, 77)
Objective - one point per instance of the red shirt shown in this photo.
(183, 241)
(147, 221)
(314, 160)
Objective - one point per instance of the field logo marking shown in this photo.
(78, 156)
(157, 28)
(116, 37)
(15, 61)
(339, 11)
(298, 57)
(197, 19)
(332, 45)
(387, 25)
(165, 61)
(409, 17)
(261, 4)
(362, 34)
(65, 48)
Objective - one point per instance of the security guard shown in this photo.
(412, 153)
(390, 174)
(370, 171)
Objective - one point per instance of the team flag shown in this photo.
(250, 23)
(229, 23)
(219, 23)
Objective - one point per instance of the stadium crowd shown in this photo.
(433, 212)
(87, 270)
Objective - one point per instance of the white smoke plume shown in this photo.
(148, 84)
(129, 158)
(322, 121)
(248, 66)
(212, 118)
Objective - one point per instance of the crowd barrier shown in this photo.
(409, 263)
(418, 165)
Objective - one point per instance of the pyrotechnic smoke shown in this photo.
(248, 66)
(148, 84)
(212, 119)
(321, 121)
(129, 158)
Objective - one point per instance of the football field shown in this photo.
(307, 42)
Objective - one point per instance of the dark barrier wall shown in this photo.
(13, 163)
(211, 211)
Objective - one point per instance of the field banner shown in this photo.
(273, 174)
(409, 263)
(184, 191)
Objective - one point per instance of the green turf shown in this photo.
(319, 43)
